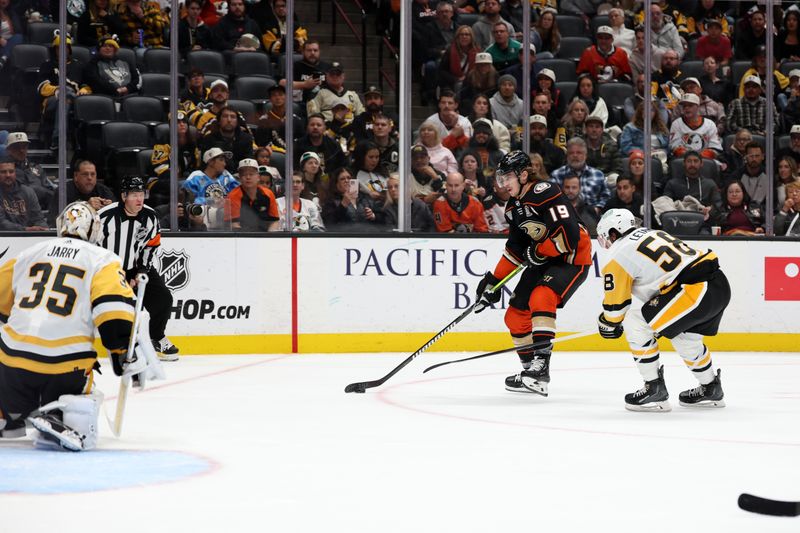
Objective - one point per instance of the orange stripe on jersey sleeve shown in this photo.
(155, 241)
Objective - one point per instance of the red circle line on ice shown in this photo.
(384, 396)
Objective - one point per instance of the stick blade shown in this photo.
(756, 504)
(356, 387)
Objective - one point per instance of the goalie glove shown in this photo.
(533, 256)
(485, 294)
(608, 330)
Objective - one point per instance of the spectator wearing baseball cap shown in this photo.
(601, 149)
(252, 206)
(19, 207)
(759, 69)
(691, 131)
(196, 91)
(229, 134)
(709, 109)
(29, 173)
(750, 111)
(373, 103)
(332, 92)
(714, 43)
(517, 70)
(215, 174)
(541, 144)
(605, 62)
(428, 182)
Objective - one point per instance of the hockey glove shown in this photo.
(484, 292)
(533, 256)
(608, 330)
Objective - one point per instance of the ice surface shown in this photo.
(281, 448)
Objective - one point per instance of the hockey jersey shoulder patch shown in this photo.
(541, 187)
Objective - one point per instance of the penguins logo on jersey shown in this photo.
(174, 268)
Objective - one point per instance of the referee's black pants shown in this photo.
(157, 301)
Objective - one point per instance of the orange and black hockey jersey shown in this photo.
(464, 217)
(542, 215)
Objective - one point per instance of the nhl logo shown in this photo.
(174, 269)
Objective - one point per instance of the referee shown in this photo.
(131, 230)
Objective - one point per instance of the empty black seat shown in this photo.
(42, 32)
(615, 93)
(146, 109)
(128, 55)
(253, 88)
(573, 47)
(157, 60)
(246, 108)
(81, 53)
(122, 141)
(251, 64)
(29, 57)
(571, 25)
(91, 112)
(209, 61)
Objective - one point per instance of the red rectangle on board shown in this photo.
(782, 278)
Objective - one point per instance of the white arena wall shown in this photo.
(368, 294)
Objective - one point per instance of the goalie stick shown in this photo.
(362, 386)
(125, 381)
(756, 504)
(532, 346)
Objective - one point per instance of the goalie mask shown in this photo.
(79, 220)
(620, 220)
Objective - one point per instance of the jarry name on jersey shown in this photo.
(63, 251)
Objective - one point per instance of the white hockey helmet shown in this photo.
(620, 220)
(80, 220)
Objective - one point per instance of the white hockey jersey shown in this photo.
(644, 263)
(51, 299)
(705, 136)
(305, 217)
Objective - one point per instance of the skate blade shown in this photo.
(536, 387)
(167, 357)
(705, 404)
(523, 391)
(654, 407)
(66, 441)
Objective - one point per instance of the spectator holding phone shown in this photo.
(428, 182)
(346, 209)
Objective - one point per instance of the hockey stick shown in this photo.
(755, 504)
(532, 346)
(362, 386)
(125, 381)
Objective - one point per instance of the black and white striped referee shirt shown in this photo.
(134, 239)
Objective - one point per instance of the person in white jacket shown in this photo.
(306, 215)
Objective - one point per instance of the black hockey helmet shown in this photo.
(515, 161)
(131, 184)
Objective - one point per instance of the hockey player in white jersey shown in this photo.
(52, 297)
(684, 293)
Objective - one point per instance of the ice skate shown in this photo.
(652, 397)
(166, 350)
(709, 395)
(533, 380)
(54, 431)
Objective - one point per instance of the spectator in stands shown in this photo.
(734, 156)
(331, 92)
(28, 173)
(546, 83)
(230, 28)
(480, 80)
(484, 27)
(632, 136)
(448, 118)
(271, 20)
(592, 182)
(624, 38)
(315, 185)
(602, 149)
(306, 215)
(309, 73)
(315, 140)
(188, 161)
(389, 152)
(441, 158)
(787, 220)
(539, 171)
(715, 43)
(511, 10)
(481, 108)
(484, 145)
(759, 69)
(457, 211)
(605, 62)
(227, 134)
(587, 92)
(506, 106)
(268, 175)
(549, 38)
(665, 33)
(552, 155)
(666, 82)
(97, 20)
(718, 89)
(428, 182)
(635, 169)
(504, 50)
(82, 187)
(692, 183)
(107, 74)
(534, 71)
(572, 190)
(793, 150)
(626, 197)
(362, 126)
(366, 166)
(494, 208)
(346, 209)
(11, 32)
(693, 132)
(786, 174)
(751, 33)
(48, 88)
(421, 217)
(19, 207)
(543, 105)
(790, 94)
(143, 24)
(193, 34)
(750, 111)
(212, 12)
(706, 12)
(736, 214)
(458, 60)
(204, 184)
(636, 58)
(436, 40)
(196, 91)
(204, 116)
(708, 108)
(477, 182)
(638, 97)
(252, 206)
(787, 44)
(271, 130)
(753, 177)
(572, 123)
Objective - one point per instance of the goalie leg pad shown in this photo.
(79, 415)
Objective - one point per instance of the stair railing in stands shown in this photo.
(361, 37)
(384, 74)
